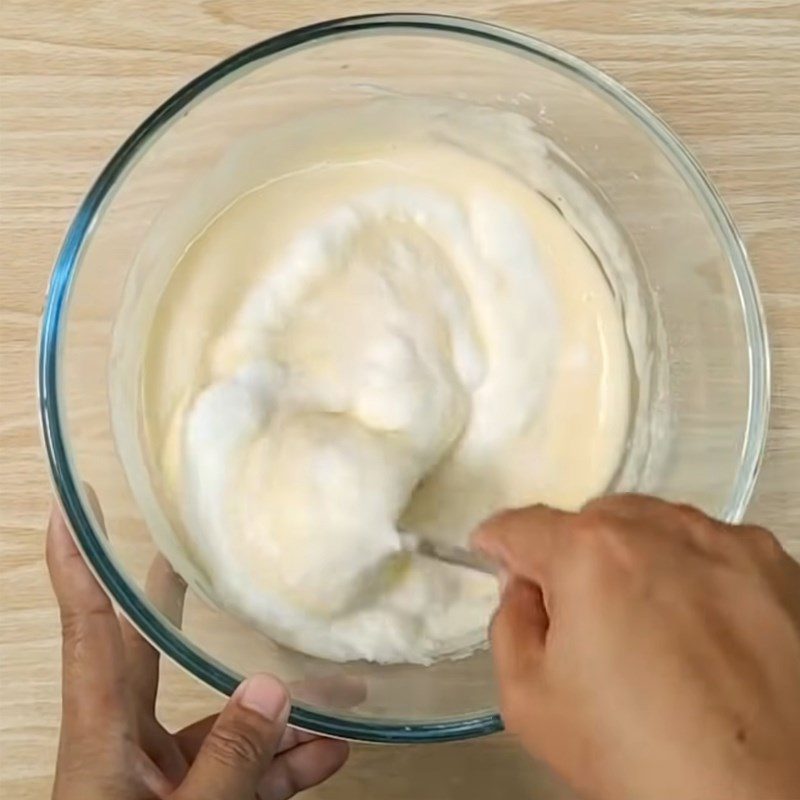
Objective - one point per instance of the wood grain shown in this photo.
(77, 75)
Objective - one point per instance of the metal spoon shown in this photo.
(448, 553)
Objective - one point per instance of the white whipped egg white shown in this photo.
(407, 338)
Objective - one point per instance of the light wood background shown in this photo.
(77, 75)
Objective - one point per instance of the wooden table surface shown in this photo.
(77, 75)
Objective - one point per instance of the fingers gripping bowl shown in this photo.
(696, 387)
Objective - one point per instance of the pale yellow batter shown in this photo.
(406, 336)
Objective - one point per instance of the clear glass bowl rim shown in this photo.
(67, 482)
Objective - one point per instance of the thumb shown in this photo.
(237, 751)
(518, 633)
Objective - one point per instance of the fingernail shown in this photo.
(263, 694)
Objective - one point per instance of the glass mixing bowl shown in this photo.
(706, 361)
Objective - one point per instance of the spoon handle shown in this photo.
(449, 554)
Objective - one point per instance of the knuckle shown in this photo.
(75, 633)
(77, 629)
(692, 514)
(596, 504)
(603, 550)
(763, 542)
(284, 782)
(595, 529)
(79, 618)
(73, 629)
(695, 526)
(611, 503)
(234, 745)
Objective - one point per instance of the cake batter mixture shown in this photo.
(404, 337)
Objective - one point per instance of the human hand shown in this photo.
(646, 651)
(112, 746)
